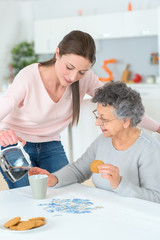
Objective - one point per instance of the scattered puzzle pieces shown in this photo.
(75, 206)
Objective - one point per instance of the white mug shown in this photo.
(38, 185)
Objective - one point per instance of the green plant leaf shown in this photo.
(22, 55)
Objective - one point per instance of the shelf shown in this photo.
(144, 85)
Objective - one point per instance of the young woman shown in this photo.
(45, 97)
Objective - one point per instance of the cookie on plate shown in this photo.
(94, 165)
(37, 218)
(25, 225)
(39, 223)
(17, 224)
(12, 222)
(13, 227)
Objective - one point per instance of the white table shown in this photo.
(120, 218)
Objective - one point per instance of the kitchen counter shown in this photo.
(139, 86)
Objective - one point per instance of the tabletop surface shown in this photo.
(111, 217)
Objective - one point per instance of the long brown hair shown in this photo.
(78, 43)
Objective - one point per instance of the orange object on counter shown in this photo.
(107, 70)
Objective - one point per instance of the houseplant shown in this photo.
(22, 55)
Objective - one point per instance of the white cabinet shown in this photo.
(48, 33)
(140, 23)
(150, 97)
(104, 26)
(126, 24)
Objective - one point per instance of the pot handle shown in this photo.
(19, 144)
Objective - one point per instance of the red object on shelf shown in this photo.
(137, 78)
(129, 6)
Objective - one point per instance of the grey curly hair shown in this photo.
(126, 101)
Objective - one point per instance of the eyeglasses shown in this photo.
(103, 121)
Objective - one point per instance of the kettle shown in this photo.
(15, 162)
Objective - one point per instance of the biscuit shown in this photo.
(94, 166)
(25, 225)
(37, 218)
(16, 224)
(12, 222)
(13, 227)
(39, 223)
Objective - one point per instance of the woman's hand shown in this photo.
(158, 130)
(111, 173)
(52, 180)
(9, 138)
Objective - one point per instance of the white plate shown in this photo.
(4, 220)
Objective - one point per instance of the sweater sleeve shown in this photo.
(94, 83)
(89, 83)
(149, 123)
(78, 171)
(13, 97)
(149, 177)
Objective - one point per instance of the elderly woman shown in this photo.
(131, 156)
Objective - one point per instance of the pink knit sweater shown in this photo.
(27, 108)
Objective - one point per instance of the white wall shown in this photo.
(16, 20)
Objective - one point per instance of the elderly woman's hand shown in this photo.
(111, 173)
(52, 180)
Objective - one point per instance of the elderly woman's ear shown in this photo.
(126, 123)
